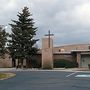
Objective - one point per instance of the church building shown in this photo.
(46, 56)
(79, 53)
(76, 52)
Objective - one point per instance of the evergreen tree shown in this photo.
(3, 40)
(22, 42)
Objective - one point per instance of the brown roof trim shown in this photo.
(80, 50)
(62, 53)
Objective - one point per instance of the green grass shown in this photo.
(6, 75)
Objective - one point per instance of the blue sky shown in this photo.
(68, 20)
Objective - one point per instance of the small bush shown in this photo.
(35, 63)
(65, 64)
(89, 66)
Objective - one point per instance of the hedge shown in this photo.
(65, 64)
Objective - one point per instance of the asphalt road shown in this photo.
(46, 80)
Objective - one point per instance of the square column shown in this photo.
(79, 59)
(47, 53)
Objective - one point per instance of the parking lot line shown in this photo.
(71, 74)
(83, 75)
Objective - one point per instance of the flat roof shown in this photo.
(62, 53)
(80, 50)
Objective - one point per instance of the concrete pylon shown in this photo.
(47, 53)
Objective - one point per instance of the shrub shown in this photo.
(89, 66)
(35, 63)
(65, 64)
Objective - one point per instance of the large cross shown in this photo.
(49, 34)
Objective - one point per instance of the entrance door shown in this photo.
(85, 60)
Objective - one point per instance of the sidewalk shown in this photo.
(7, 69)
(55, 69)
(73, 69)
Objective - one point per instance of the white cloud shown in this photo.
(65, 18)
(11, 4)
(7, 5)
(82, 14)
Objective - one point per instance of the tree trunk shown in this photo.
(28, 64)
(21, 63)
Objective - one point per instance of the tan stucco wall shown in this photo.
(6, 61)
(47, 53)
(63, 56)
(68, 48)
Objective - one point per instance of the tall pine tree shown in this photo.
(22, 42)
(3, 40)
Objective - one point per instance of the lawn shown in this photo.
(6, 75)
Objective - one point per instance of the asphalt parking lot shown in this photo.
(47, 80)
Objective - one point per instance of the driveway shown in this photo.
(47, 80)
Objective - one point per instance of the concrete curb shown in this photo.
(55, 69)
